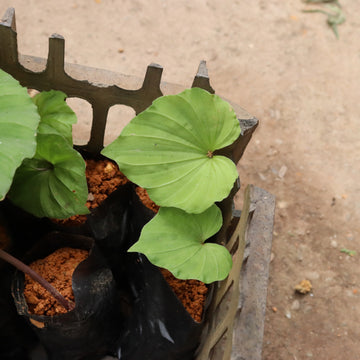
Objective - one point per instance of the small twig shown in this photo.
(335, 16)
(68, 305)
(322, 2)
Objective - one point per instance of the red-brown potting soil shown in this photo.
(57, 269)
(191, 293)
(103, 177)
(144, 197)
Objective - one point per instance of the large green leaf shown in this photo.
(169, 150)
(53, 182)
(175, 240)
(19, 120)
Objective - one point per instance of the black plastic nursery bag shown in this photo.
(92, 328)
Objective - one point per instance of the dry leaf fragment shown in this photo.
(303, 287)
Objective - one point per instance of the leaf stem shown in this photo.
(68, 305)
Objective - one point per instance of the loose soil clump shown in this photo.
(57, 268)
(103, 177)
(191, 293)
(145, 199)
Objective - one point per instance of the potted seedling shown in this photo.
(40, 171)
(44, 175)
(172, 150)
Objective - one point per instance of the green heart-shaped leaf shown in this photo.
(19, 120)
(175, 240)
(53, 182)
(56, 116)
(169, 150)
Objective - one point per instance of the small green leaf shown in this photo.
(169, 150)
(56, 116)
(175, 240)
(19, 120)
(348, 252)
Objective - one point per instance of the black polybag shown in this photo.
(147, 320)
(91, 330)
(158, 326)
(15, 337)
(119, 219)
(116, 225)
(24, 229)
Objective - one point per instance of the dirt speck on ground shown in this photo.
(303, 287)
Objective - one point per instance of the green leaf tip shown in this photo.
(56, 116)
(176, 240)
(169, 150)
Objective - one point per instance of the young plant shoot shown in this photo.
(170, 149)
(37, 135)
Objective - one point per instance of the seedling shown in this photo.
(39, 170)
(171, 150)
(348, 252)
(335, 15)
(45, 175)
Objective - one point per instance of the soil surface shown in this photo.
(288, 69)
(57, 268)
(102, 177)
(145, 199)
(191, 293)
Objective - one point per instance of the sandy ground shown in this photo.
(286, 68)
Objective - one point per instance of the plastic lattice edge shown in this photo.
(235, 320)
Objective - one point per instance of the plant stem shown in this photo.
(68, 305)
